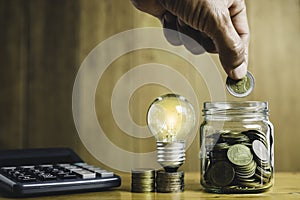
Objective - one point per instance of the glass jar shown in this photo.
(237, 145)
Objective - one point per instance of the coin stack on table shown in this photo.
(142, 180)
(236, 160)
(169, 181)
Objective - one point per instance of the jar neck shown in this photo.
(236, 110)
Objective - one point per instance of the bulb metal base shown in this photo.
(170, 155)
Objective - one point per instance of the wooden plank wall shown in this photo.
(43, 43)
(13, 76)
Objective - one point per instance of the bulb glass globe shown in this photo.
(171, 118)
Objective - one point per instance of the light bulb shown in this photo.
(170, 119)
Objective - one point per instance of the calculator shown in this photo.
(30, 172)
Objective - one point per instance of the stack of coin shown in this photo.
(142, 180)
(242, 159)
(261, 156)
(237, 160)
(256, 135)
(169, 181)
(234, 138)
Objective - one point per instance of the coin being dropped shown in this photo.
(242, 87)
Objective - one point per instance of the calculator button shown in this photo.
(55, 170)
(104, 173)
(47, 177)
(62, 165)
(45, 166)
(27, 167)
(84, 173)
(16, 174)
(92, 168)
(26, 179)
(7, 169)
(81, 164)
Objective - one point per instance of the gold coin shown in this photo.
(242, 87)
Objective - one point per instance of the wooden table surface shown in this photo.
(287, 186)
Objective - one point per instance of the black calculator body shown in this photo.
(31, 172)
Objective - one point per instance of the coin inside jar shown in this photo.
(242, 87)
(260, 150)
(237, 160)
(221, 174)
(239, 154)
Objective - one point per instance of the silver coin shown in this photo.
(262, 179)
(264, 172)
(240, 155)
(242, 87)
(255, 134)
(260, 150)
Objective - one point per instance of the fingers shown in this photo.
(219, 26)
(239, 19)
(192, 39)
(195, 41)
(237, 10)
(231, 49)
(225, 22)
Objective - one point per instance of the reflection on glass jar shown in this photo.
(236, 147)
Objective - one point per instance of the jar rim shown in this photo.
(235, 107)
(234, 104)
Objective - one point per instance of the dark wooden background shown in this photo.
(43, 43)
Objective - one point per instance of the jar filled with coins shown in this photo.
(237, 145)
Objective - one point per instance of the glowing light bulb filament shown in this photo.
(171, 132)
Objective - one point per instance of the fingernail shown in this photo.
(239, 72)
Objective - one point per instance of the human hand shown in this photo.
(219, 26)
